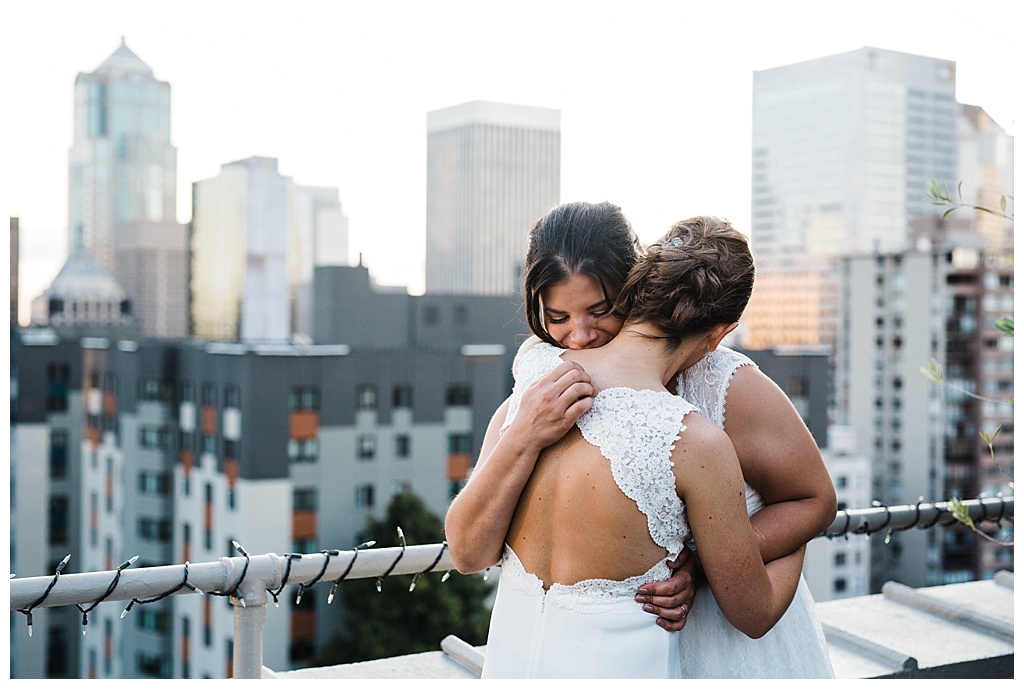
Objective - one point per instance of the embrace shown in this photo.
(648, 492)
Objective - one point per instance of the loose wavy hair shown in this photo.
(698, 275)
(577, 238)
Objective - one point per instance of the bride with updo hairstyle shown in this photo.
(594, 482)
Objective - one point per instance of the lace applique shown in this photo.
(706, 385)
(587, 596)
(636, 430)
(532, 365)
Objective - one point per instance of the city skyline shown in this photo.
(356, 83)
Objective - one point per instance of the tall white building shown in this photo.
(122, 188)
(319, 237)
(492, 170)
(256, 237)
(844, 147)
(239, 277)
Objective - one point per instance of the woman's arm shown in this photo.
(479, 517)
(778, 457)
(752, 595)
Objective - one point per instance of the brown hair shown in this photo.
(698, 275)
(577, 238)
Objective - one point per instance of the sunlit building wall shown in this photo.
(493, 169)
(239, 285)
(843, 149)
(319, 237)
(985, 176)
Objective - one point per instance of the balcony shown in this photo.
(953, 631)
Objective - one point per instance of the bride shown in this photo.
(609, 505)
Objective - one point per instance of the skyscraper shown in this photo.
(843, 149)
(492, 170)
(122, 188)
(239, 277)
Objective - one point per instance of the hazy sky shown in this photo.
(655, 95)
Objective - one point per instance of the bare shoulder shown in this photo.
(751, 392)
(701, 439)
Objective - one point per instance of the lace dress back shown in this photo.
(636, 431)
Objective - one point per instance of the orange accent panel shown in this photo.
(207, 612)
(187, 461)
(108, 646)
(186, 552)
(303, 624)
(231, 471)
(209, 421)
(93, 520)
(303, 425)
(92, 435)
(109, 404)
(303, 524)
(185, 648)
(458, 466)
(208, 516)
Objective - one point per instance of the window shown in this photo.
(154, 390)
(304, 450)
(154, 529)
(58, 453)
(839, 585)
(304, 398)
(154, 483)
(401, 397)
(458, 396)
(430, 315)
(303, 499)
(366, 397)
(57, 377)
(840, 559)
(231, 397)
(57, 515)
(366, 447)
(461, 314)
(364, 496)
(460, 443)
(153, 438)
(208, 397)
(402, 446)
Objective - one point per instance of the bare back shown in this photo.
(602, 502)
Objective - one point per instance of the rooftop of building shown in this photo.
(957, 631)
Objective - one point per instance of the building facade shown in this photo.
(256, 237)
(122, 187)
(844, 147)
(493, 169)
(171, 449)
(902, 310)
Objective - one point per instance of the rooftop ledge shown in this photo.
(957, 631)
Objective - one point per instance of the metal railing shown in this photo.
(250, 580)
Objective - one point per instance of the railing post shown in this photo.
(250, 618)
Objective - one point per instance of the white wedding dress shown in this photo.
(593, 628)
(711, 647)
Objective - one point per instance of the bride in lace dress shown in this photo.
(611, 503)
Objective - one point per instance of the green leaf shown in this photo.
(989, 438)
(933, 372)
(960, 513)
(1005, 324)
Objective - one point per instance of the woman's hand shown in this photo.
(551, 405)
(672, 600)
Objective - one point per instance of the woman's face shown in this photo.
(577, 314)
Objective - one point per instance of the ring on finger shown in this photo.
(684, 611)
